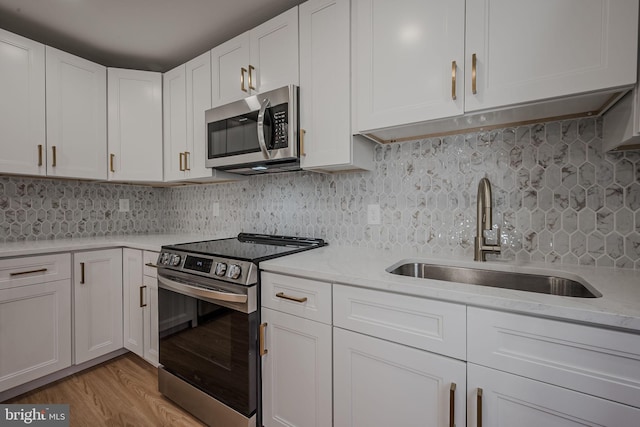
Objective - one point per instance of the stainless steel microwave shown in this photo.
(258, 134)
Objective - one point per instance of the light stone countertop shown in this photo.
(619, 306)
(148, 242)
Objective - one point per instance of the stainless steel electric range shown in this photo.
(209, 316)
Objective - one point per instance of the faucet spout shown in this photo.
(484, 222)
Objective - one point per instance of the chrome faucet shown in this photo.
(484, 222)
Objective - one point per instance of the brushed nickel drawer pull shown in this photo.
(54, 161)
(251, 69)
(474, 67)
(111, 160)
(479, 422)
(39, 154)
(302, 134)
(452, 405)
(242, 72)
(454, 69)
(142, 304)
(290, 298)
(263, 350)
(186, 160)
(150, 264)
(82, 273)
(20, 273)
(181, 161)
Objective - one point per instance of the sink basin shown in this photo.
(552, 285)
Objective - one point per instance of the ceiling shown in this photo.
(153, 35)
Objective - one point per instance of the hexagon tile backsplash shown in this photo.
(557, 198)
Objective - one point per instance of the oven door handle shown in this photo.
(194, 291)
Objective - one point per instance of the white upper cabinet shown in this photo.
(186, 96)
(437, 59)
(76, 116)
(22, 105)
(174, 99)
(135, 125)
(325, 90)
(559, 48)
(406, 55)
(256, 61)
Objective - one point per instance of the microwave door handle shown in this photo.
(261, 140)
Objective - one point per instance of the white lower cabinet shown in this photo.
(380, 383)
(35, 318)
(498, 398)
(97, 287)
(140, 303)
(296, 371)
(296, 366)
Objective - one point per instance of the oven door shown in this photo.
(209, 342)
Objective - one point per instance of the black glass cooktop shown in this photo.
(250, 247)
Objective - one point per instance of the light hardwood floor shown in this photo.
(120, 392)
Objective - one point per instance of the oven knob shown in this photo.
(165, 259)
(175, 260)
(221, 268)
(234, 271)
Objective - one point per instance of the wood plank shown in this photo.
(120, 392)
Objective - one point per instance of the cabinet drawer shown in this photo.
(34, 269)
(422, 323)
(314, 296)
(150, 258)
(601, 362)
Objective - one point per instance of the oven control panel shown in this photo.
(230, 270)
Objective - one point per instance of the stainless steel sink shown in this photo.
(544, 284)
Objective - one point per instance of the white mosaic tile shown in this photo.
(557, 198)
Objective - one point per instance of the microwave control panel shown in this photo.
(280, 126)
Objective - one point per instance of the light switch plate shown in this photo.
(215, 208)
(123, 205)
(373, 215)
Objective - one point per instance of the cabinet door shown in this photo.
(35, 331)
(296, 371)
(325, 90)
(198, 72)
(22, 105)
(76, 116)
(274, 53)
(133, 301)
(558, 48)
(229, 70)
(135, 125)
(97, 303)
(174, 98)
(510, 400)
(379, 383)
(151, 337)
(404, 54)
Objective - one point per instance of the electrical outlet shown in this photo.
(373, 215)
(123, 205)
(215, 208)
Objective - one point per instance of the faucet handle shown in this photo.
(493, 235)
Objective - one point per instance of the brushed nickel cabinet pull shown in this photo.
(452, 405)
(251, 69)
(181, 161)
(186, 161)
(479, 423)
(263, 350)
(150, 264)
(142, 303)
(21, 273)
(302, 134)
(290, 298)
(111, 161)
(474, 67)
(82, 273)
(53, 162)
(242, 72)
(454, 68)
(39, 154)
